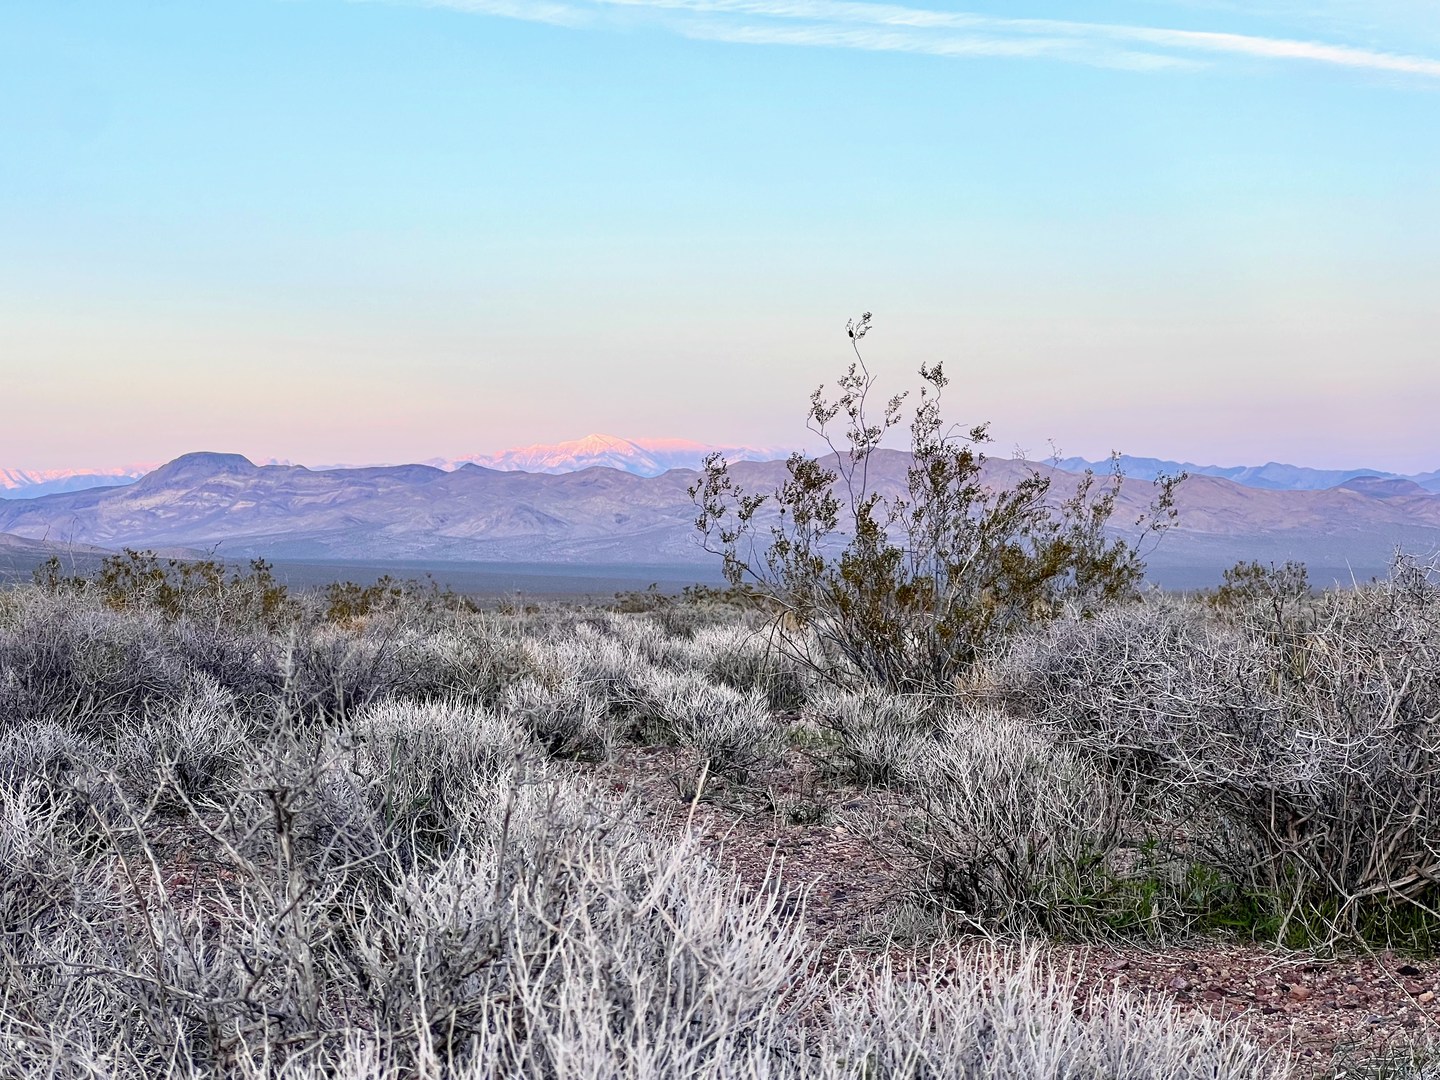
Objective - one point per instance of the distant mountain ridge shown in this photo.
(1273, 476)
(226, 505)
(654, 457)
(32, 483)
(639, 457)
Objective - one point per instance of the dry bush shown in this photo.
(1304, 765)
(551, 938)
(881, 737)
(998, 1012)
(330, 672)
(1419, 1060)
(67, 658)
(409, 889)
(733, 733)
(745, 658)
(419, 766)
(606, 666)
(1020, 834)
(195, 745)
(547, 932)
(565, 718)
(469, 655)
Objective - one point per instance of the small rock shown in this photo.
(1300, 993)
(1427, 997)
(1410, 971)
(1181, 984)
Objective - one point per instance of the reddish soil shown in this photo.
(1322, 1009)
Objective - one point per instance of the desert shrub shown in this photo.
(677, 617)
(645, 638)
(416, 602)
(1149, 686)
(68, 656)
(696, 608)
(422, 763)
(742, 657)
(1419, 1060)
(248, 663)
(346, 602)
(45, 878)
(731, 732)
(63, 658)
(881, 737)
(201, 589)
(472, 656)
(45, 749)
(564, 718)
(904, 573)
(1273, 597)
(1309, 761)
(1019, 834)
(409, 894)
(187, 749)
(607, 948)
(330, 672)
(555, 930)
(1004, 1013)
(558, 939)
(613, 671)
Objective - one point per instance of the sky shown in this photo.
(382, 231)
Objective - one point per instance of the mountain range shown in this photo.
(226, 505)
(32, 483)
(642, 457)
(652, 457)
(1270, 477)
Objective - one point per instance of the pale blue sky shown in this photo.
(330, 230)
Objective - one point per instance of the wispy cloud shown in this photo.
(886, 27)
(557, 14)
(956, 45)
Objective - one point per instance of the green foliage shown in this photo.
(347, 602)
(1274, 595)
(904, 582)
(179, 588)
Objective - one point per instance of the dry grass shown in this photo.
(419, 844)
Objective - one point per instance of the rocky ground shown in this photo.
(795, 826)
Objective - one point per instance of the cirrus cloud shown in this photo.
(888, 27)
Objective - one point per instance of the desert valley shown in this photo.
(610, 503)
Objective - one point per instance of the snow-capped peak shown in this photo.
(642, 457)
(30, 483)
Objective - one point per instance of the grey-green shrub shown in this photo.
(883, 737)
(196, 745)
(1305, 764)
(1021, 834)
(732, 732)
(562, 717)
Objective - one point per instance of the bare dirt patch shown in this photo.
(793, 825)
